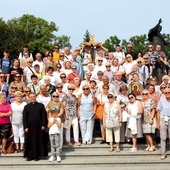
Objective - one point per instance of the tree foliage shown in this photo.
(39, 34)
(86, 37)
(63, 41)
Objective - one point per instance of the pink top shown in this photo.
(5, 108)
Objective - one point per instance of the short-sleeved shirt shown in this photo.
(164, 106)
(5, 65)
(4, 109)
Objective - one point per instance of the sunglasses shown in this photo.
(163, 87)
(131, 98)
(17, 76)
(105, 88)
(150, 47)
(71, 89)
(59, 87)
(139, 62)
(30, 62)
(86, 89)
(145, 58)
(144, 93)
(56, 48)
(58, 67)
(108, 66)
(74, 68)
(63, 77)
(100, 60)
(13, 87)
(29, 91)
(61, 55)
(55, 96)
(2, 76)
(167, 93)
(110, 97)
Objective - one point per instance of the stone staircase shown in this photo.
(92, 155)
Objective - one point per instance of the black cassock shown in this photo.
(34, 117)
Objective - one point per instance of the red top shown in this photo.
(4, 109)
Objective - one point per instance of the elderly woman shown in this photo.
(67, 67)
(129, 63)
(108, 72)
(123, 100)
(86, 110)
(26, 93)
(166, 81)
(116, 67)
(73, 75)
(17, 121)
(5, 125)
(101, 100)
(134, 123)
(149, 109)
(59, 89)
(76, 83)
(56, 103)
(112, 119)
(11, 96)
(28, 71)
(70, 105)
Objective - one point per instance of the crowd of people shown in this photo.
(42, 98)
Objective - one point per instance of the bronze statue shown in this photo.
(155, 36)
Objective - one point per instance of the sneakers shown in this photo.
(52, 158)
(58, 159)
(133, 149)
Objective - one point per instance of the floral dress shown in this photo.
(71, 105)
(147, 114)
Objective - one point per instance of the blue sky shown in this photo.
(103, 18)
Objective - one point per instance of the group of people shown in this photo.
(42, 98)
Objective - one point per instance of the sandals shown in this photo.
(133, 149)
(151, 149)
(163, 157)
(77, 143)
(111, 150)
(147, 149)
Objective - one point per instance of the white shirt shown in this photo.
(40, 63)
(119, 55)
(54, 129)
(17, 112)
(43, 100)
(28, 73)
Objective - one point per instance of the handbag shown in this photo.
(125, 116)
(10, 147)
(148, 128)
(67, 123)
(100, 111)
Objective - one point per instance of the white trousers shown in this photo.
(109, 134)
(74, 123)
(86, 126)
(18, 132)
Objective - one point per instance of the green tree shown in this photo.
(86, 37)
(111, 43)
(63, 41)
(139, 43)
(36, 32)
(5, 34)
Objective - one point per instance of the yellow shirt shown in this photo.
(55, 57)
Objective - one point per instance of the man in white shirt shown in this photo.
(119, 55)
(39, 61)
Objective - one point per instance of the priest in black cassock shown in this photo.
(35, 122)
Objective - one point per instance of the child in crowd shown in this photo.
(54, 125)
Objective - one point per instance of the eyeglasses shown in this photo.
(145, 58)
(30, 62)
(105, 88)
(163, 87)
(144, 93)
(131, 98)
(71, 89)
(55, 96)
(17, 76)
(56, 47)
(58, 67)
(74, 68)
(13, 87)
(61, 55)
(139, 62)
(100, 60)
(150, 47)
(129, 47)
(63, 77)
(86, 89)
(59, 87)
(108, 66)
(110, 97)
(29, 91)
